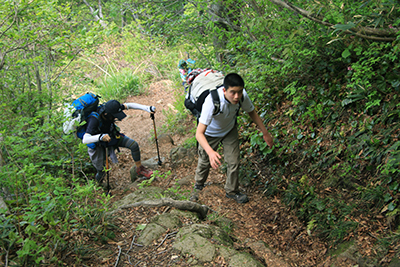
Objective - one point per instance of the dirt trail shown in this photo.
(260, 219)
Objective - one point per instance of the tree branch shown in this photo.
(363, 32)
(73, 58)
(92, 11)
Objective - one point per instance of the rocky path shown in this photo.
(260, 219)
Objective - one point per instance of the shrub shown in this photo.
(48, 199)
(120, 85)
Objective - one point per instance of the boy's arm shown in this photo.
(89, 137)
(201, 138)
(139, 106)
(266, 135)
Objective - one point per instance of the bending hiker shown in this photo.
(221, 128)
(102, 131)
(184, 70)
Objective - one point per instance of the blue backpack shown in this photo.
(78, 112)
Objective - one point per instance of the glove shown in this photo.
(152, 108)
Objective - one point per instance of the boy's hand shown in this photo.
(106, 138)
(268, 139)
(214, 159)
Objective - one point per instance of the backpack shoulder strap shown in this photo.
(94, 114)
(240, 105)
(190, 91)
(241, 101)
(216, 102)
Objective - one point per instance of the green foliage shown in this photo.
(140, 227)
(178, 193)
(150, 57)
(175, 191)
(120, 85)
(148, 182)
(177, 118)
(225, 224)
(191, 142)
(156, 174)
(47, 199)
(36, 56)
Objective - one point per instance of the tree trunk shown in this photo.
(225, 16)
(38, 84)
(97, 17)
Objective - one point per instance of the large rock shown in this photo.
(180, 155)
(165, 139)
(151, 232)
(193, 216)
(167, 220)
(244, 259)
(206, 231)
(207, 242)
(197, 246)
(142, 194)
(261, 250)
(186, 181)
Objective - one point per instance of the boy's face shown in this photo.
(108, 117)
(233, 94)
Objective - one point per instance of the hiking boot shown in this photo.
(199, 186)
(99, 177)
(239, 197)
(142, 170)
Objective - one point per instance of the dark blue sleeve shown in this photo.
(92, 126)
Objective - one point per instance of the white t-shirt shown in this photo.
(222, 123)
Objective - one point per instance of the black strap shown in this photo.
(190, 90)
(240, 105)
(216, 102)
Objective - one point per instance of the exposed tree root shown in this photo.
(202, 210)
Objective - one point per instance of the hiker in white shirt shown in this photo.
(221, 128)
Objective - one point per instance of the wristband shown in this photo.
(101, 135)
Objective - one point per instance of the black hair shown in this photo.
(232, 80)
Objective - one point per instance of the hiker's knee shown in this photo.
(133, 145)
(130, 144)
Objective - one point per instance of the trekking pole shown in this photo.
(108, 173)
(155, 134)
